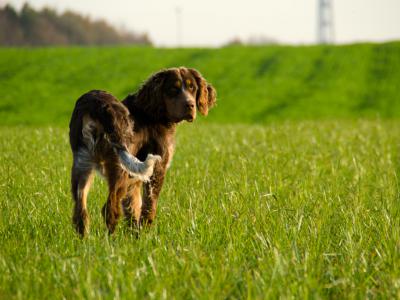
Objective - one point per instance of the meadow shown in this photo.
(254, 84)
(263, 199)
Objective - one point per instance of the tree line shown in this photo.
(30, 27)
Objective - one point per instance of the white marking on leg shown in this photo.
(83, 160)
(88, 128)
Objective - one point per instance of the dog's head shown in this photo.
(176, 94)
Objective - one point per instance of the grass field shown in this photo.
(254, 84)
(289, 188)
(303, 209)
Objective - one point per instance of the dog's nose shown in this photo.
(190, 105)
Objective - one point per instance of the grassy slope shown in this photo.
(304, 209)
(293, 208)
(39, 86)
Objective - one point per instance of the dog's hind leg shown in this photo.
(81, 179)
(117, 185)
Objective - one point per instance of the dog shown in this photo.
(131, 143)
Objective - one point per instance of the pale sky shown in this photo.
(214, 22)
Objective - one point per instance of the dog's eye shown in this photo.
(189, 85)
(174, 90)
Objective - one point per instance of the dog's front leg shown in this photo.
(132, 204)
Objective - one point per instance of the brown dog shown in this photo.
(115, 137)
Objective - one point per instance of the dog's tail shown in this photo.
(136, 168)
(102, 115)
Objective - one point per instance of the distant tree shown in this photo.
(47, 27)
(236, 41)
(11, 33)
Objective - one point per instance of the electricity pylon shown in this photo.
(325, 22)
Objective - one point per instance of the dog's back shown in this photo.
(100, 130)
(101, 111)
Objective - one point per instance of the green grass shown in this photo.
(293, 209)
(254, 84)
(289, 188)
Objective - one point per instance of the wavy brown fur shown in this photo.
(151, 114)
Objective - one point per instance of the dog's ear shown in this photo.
(206, 94)
(150, 95)
(155, 84)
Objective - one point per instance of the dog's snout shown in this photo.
(190, 105)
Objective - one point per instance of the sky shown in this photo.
(212, 23)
